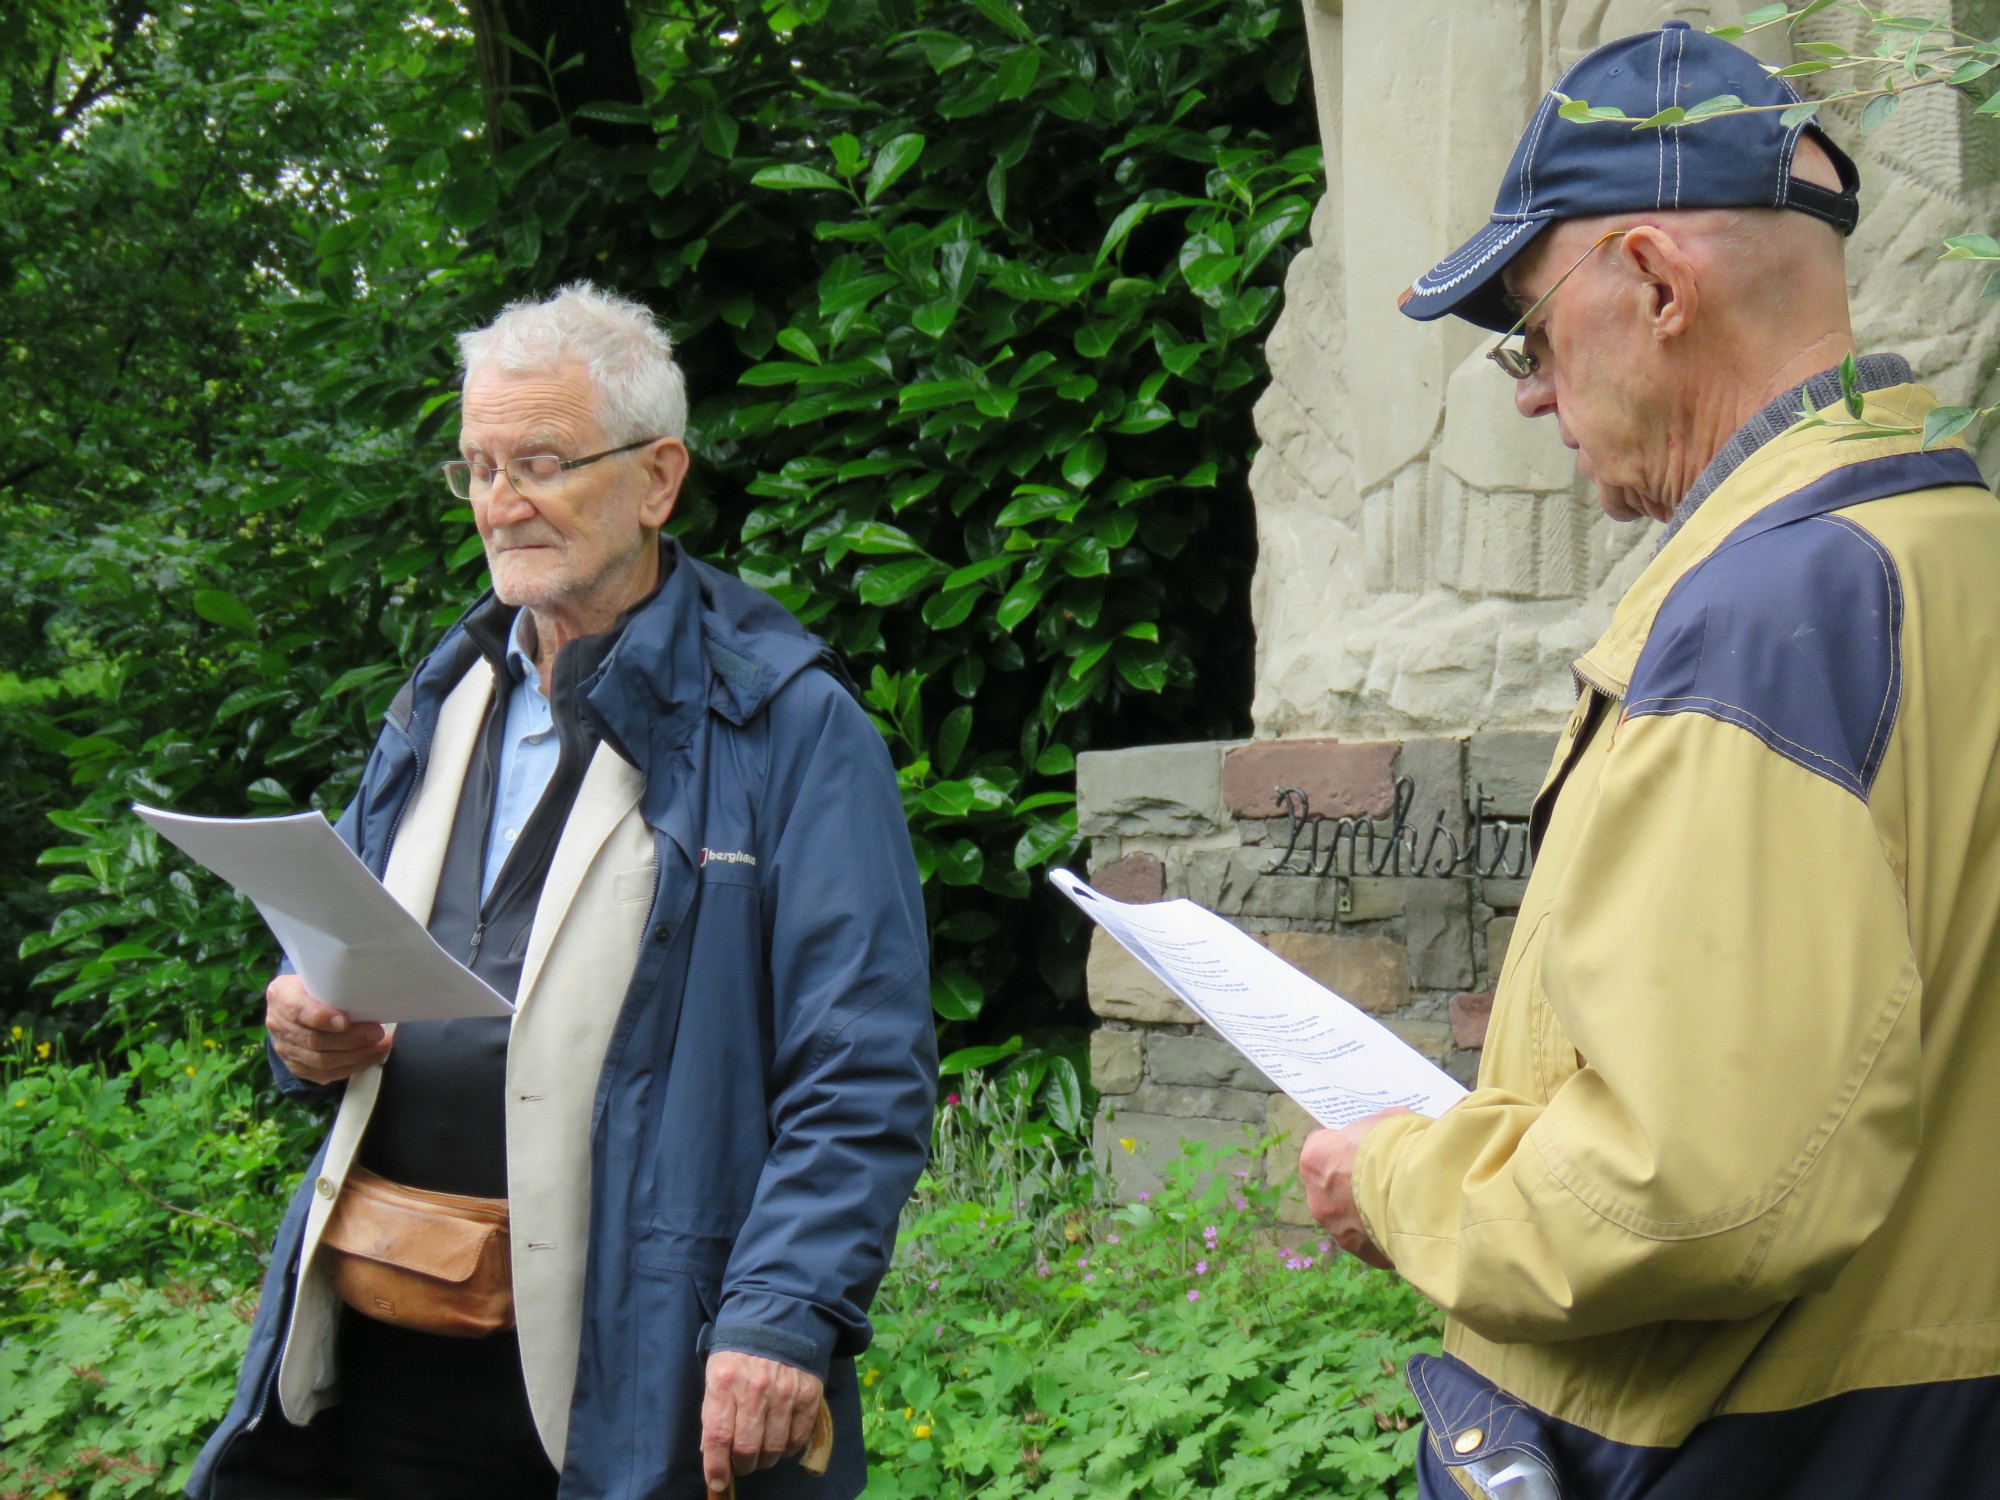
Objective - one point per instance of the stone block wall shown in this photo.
(1214, 822)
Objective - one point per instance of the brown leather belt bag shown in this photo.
(435, 1262)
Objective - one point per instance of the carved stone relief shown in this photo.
(1428, 561)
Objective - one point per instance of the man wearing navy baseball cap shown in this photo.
(1719, 1220)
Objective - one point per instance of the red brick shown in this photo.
(1339, 780)
(1136, 877)
(1469, 1014)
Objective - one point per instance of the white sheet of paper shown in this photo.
(1337, 1061)
(353, 945)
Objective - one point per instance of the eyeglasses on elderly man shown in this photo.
(530, 473)
(1519, 363)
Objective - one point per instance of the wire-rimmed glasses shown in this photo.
(1519, 363)
(529, 473)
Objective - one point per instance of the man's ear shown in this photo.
(1667, 280)
(666, 468)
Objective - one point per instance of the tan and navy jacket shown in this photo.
(1723, 1215)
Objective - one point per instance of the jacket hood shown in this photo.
(706, 642)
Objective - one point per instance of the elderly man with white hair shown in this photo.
(1718, 1219)
(623, 1242)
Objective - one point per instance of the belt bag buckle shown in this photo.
(434, 1262)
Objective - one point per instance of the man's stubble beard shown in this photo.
(551, 584)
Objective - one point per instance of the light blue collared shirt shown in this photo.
(529, 751)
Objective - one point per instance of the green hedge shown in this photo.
(971, 298)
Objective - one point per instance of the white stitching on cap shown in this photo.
(1524, 180)
(1527, 172)
(1789, 151)
(1680, 52)
(1426, 287)
(1478, 250)
(1659, 75)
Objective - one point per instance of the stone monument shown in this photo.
(1429, 565)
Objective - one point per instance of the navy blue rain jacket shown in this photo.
(765, 1102)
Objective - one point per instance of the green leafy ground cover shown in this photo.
(1031, 1339)
(137, 1202)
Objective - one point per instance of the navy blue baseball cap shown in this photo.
(1566, 169)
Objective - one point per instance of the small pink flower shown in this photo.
(1090, 1276)
(1240, 1176)
(932, 1287)
(1324, 1247)
(1293, 1263)
(1193, 1295)
(938, 1332)
(1239, 1204)
(1112, 1239)
(1308, 1262)
(1082, 1261)
(1145, 1197)
(950, 1100)
(1201, 1268)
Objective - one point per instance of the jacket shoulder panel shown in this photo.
(1793, 634)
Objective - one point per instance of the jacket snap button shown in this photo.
(662, 933)
(325, 1187)
(1467, 1440)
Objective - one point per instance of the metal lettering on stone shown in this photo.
(1346, 847)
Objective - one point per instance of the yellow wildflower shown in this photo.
(209, 1043)
(42, 1050)
(909, 1412)
(190, 1072)
(1130, 1143)
(871, 1377)
(17, 1033)
(20, 1104)
(923, 1430)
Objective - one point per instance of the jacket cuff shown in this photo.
(1370, 1177)
(292, 1086)
(771, 1326)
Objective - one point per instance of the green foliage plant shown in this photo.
(988, 439)
(137, 1204)
(1032, 1339)
(971, 300)
(1898, 55)
(187, 626)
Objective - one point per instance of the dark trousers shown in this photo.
(429, 1418)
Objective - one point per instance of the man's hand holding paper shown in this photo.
(1326, 1171)
(317, 1042)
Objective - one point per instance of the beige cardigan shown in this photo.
(581, 948)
